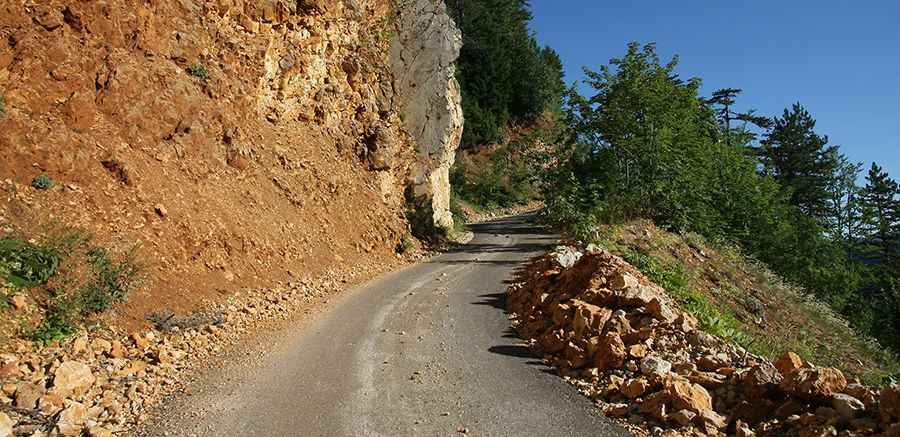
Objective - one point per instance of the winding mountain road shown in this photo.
(424, 351)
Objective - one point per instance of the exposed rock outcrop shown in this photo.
(422, 58)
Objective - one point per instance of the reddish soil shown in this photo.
(221, 183)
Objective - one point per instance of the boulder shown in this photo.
(788, 363)
(656, 405)
(565, 256)
(660, 310)
(713, 362)
(589, 319)
(50, 404)
(72, 378)
(653, 365)
(6, 425)
(688, 396)
(71, 420)
(622, 280)
(847, 406)
(863, 393)
(813, 383)
(27, 395)
(635, 388)
(610, 352)
(890, 403)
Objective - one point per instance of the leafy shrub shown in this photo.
(199, 71)
(76, 278)
(42, 182)
(26, 265)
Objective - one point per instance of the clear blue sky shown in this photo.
(840, 59)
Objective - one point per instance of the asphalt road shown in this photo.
(424, 351)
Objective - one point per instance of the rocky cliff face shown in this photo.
(235, 141)
(423, 59)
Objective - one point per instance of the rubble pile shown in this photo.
(623, 342)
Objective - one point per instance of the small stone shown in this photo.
(742, 430)
(72, 378)
(100, 346)
(688, 396)
(19, 302)
(161, 210)
(116, 350)
(71, 420)
(683, 417)
(139, 341)
(99, 431)
(617, 410)
(713, 418)
(27, 395)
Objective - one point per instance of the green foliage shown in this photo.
(504, 75)
(26, 265)
(199, 71)
(42, 182)
(406, 244)
(647, 145)
(799, 160)
(76, 278)
(110, 283)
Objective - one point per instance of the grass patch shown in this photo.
(738, 298)
(672, 278)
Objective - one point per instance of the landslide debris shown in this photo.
(624, 342)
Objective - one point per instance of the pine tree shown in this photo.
(800, 160)
(881, 212)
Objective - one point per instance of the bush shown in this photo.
(26, 265)
(74, 279)
(42, 182)
(199, 71)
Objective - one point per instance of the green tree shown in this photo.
(800, 160)
(505, 76)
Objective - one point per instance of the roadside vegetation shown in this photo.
(51, 285)
(643, 143)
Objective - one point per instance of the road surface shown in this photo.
(424, 351)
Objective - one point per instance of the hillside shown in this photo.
(167, 164)
(667, 333)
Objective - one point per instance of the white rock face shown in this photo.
(422, 58)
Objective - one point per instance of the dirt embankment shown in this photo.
(623, 341)
(235, 144)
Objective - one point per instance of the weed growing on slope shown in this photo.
(42, 182)
(69, 277)
(199, 71)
